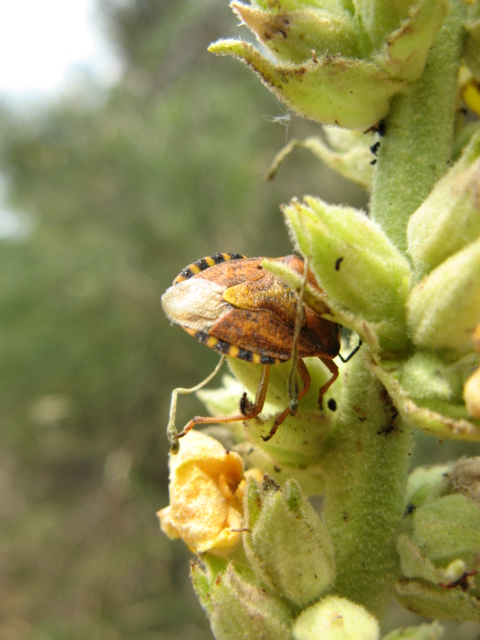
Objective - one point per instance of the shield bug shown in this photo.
(233, 305)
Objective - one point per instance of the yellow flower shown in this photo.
(471, 391)
(206, 493)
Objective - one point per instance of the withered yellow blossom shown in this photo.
(471, 391)
(206, 493)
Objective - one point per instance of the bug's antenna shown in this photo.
(292, 378)
(352, 353)
(172, 432)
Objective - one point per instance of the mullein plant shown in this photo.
(405, 277)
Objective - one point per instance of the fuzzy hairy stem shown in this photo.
(368, 458)
(417, 148)
(366, 471)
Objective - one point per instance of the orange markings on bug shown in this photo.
(233, 305)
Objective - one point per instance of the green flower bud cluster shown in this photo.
(419, 319)
(338, 63)
(440, 549)
(282, 586)
(282, 590)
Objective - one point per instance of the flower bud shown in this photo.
(238, 607)
(449, 219)
(291, 35)
(289, 548)
(335, 618)
(355, 264)
(337, 65)
(346, 92)
(206, 492)
(443, 309)
(439, 559)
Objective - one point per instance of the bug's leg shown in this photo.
(249, 410)
(305, 376)
(332, 367)
(172, 432)
(292, 378)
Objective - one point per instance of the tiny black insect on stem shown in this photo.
(379, 128)
(337, 264)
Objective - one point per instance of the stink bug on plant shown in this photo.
(233, 305)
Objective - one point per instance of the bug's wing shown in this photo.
(264, 293)
(194, 303)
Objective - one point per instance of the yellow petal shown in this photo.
(206, 488)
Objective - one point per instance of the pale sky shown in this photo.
(43, 41)
(43, 45)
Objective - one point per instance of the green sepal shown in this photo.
(449, 219)
(426, 599)
(335, 618)
(436, 417)
(287, 545)
(426, 631)
(330, 6)
(471, 51)
(298, 447)
(310, 476)
(360, 270)
(426, 376)
(347, 152)
(439, 559)
(443, 309)
(426, 484)
(405, 51)
(238, 606)
(416, 565)
(447, 529)
(381, 17)
(332, 90)
(291, 36)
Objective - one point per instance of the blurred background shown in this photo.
(126, 152)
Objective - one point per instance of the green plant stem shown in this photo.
(366, 471)
(417, 147)
(366, 466)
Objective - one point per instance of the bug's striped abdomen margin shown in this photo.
(205, 263)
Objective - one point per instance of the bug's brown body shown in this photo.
(231, 304)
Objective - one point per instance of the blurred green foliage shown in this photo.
(122, 188)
